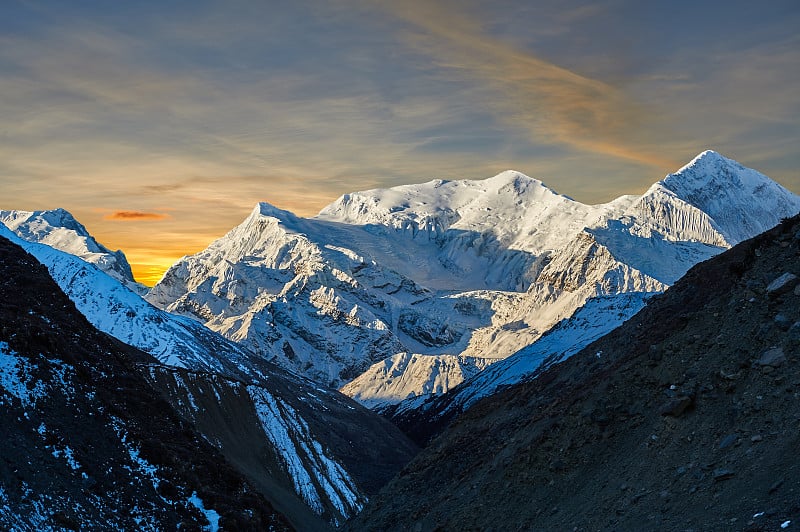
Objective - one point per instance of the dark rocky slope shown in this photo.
(321, 429)
(316, 454)
(687, 417)
(87, 443)
(223, 410)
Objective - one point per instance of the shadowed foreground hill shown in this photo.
(687, 417)
(87, 443)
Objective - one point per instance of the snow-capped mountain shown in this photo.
(458, 270)
(116, 310)
(87, 443)
(236, 395)
(58, 229)
(329, 297)
(712, 200)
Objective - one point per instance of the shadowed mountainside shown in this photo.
(684, 418)
(86, 441)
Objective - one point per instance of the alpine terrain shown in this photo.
(686, 417)
(86, 441)
(59, 229)
(537, 325)
(396, 295)
(312, 452)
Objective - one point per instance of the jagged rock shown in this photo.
(723, 474)
(794, 331)
(782, 284)
(727, 441)
(782, 322)
(676, 406)
(772, 357)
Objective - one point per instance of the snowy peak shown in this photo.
(704, 166)
(58, 229)
(265, 210)
(268, 233)
(727, 198)
(438, 202)
(712, 170)
(451, 270)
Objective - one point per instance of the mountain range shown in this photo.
(395, 295)
(683, 418)
(419, 302)
(313, 453)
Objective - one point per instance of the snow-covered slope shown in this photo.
(310, 420)
(315, 307)
(87, 443)
(470, 269)
(411, 377)
(116, 310)
(599, 316)
(59, 229)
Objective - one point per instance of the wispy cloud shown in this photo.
(551, 103)
(135, 216)
(202, 114)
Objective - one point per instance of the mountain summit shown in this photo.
(57, 228)
(741, 202)
(470, 270)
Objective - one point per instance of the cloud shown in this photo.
(135, 216)
(203, 114)
(553, 104)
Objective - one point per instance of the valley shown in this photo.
(336, 364)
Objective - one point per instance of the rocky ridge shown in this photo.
(454, 272)
(685, 417)
(315, 454)
(87, 443)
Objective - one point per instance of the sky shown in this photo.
(160, 125)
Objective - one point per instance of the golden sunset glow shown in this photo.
(161, 127)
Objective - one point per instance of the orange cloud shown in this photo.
(130, 216)
(552, 103)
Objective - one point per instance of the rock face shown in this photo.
(423, 416)
(315, 454)
(86, 441)
(470, 269)
(590, 444)
(397, 378)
